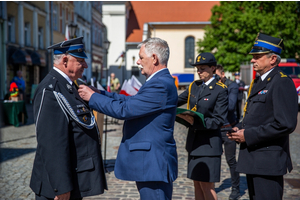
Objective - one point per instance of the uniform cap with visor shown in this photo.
(74, 47)
(205, 59)
(267, 44)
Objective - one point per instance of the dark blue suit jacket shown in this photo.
(148, 150)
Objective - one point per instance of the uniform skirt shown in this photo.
(204, 168)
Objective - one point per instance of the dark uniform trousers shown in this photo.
(230, 146)
(270, 116)
(230, 155)
(259, 185)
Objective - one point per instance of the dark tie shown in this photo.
(258, 81)
(202, 88)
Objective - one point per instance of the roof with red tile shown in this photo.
(165, 11)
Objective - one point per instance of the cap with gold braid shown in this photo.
(267, 44)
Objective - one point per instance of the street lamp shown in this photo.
(72, 28)
(106, 45)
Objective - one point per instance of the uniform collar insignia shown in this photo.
(69, 87)
(269, 79)
(210, 87)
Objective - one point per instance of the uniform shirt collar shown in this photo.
(209, 81)
(154, 74)
(265, 74)
(64, 75)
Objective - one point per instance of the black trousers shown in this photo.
(238, 109)
(230, 155)
(265, 187)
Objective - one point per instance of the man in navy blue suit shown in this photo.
(147, 152)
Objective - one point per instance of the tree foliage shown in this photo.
(235, 25)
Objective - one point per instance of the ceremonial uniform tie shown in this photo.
(202, 88)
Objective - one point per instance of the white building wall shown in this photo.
(129, 61)
(114, 17)
(176, 39)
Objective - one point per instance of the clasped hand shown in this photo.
(237, 135)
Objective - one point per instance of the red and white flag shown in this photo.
(108, 85)
(127, 89)
(67, 34)
(135, 83)
(120, 56)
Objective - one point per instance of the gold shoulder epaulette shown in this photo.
(221, 84)
(282, 74)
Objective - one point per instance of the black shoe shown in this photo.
(235, 194)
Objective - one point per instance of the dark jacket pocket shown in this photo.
(260, 98)
(146, 146)
(84, 165)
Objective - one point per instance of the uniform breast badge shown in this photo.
(84, 118)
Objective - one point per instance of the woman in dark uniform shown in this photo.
(204, 143)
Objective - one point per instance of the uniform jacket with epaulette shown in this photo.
(270, 116)
(68, 155)
(213, 104)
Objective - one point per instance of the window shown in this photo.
(189, 51)
(27, 34)
(55, 17)
(63, 30)
(11, 29)
(41, 38)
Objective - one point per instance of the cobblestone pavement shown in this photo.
(18, 146)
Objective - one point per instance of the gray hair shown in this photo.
(57, 58)
(157, 46)
(278, 58)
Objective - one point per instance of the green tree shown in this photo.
(235, 24)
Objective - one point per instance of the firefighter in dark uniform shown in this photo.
(204, 143)
(68, 162)
(241, 85)
(270, 115)
(229, 145)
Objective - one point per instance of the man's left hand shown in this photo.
(237, 136)
(85, 92)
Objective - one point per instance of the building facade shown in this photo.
(180, 23)
(99, 35)
(26, 27)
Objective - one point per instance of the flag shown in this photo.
(99, 87)
(120, 56)
(135, 83)
(127, 89)
(67, 34)
(108, 85)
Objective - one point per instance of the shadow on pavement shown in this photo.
(10, 153)
(226, 183)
